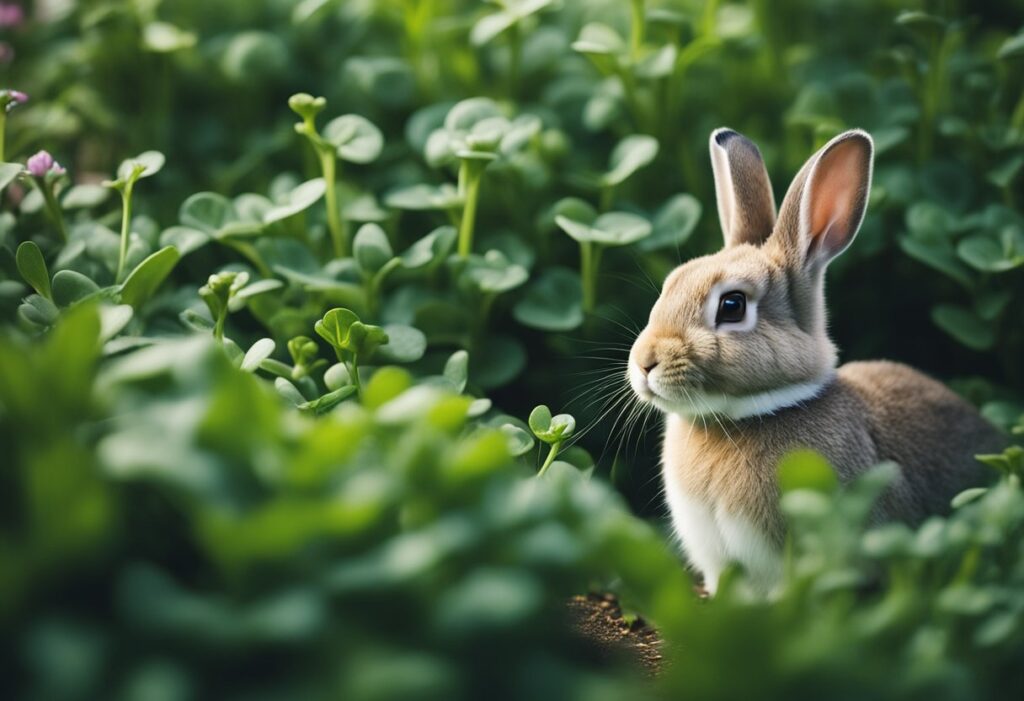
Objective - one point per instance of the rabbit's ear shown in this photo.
(746, 205)
(825, 204)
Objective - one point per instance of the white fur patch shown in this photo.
(697, 403)
(712, 538)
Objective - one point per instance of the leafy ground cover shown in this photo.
(315, 316)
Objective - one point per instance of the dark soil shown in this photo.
(599, 619)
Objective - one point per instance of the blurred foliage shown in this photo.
(253, 415)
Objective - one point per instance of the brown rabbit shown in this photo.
(736, 354)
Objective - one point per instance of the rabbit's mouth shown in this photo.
(693, 402)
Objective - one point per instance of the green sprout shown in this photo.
(351, 339)
(348, 138)
(218, 291)
(553, 430)
(128, 173)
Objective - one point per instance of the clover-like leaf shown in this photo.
(553, 302)
(355, 138)
(405, 344)
(70, 286)
(494, 273)
(519, 441)
(673, 224)
(629, 155)
(551, 429)
(208, 212)
(371, 248)
(346, 333)
(257, 353)
(965, 326)
(33, 268)
(432, 248)
(983, 253)
(611, 229)
(456, 370)
(298, 200)
(306, 106)
(148, 275)
(144, 165)
(425, 197)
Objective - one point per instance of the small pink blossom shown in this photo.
(42, 163)
(11, 15)
(9, 99)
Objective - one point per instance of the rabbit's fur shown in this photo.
(739, 395)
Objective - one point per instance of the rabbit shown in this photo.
(737, 356)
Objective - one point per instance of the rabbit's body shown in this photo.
(720, 473)
(736, 353)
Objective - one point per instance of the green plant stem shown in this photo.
(3, 133)
(515, 53)
(469, 186)
(552, 454)
(335, 222)
(218, 326)
(590, 259)
(636, 29)
(354, 371)
(607, 198)
(52, 206)
(374, 282)
(126, 218)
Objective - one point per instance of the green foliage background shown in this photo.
(215, 487)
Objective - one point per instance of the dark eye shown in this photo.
(732, 307)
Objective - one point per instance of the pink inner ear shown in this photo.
(837, 196)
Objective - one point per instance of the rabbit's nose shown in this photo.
(647, 365)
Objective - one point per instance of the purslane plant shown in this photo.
(553, 430)
(128, 173)
(348, 138)
(45, 173)
(351, 339)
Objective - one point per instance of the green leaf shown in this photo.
(599, 40)
(337, 376)
(674, 223)
(356, 138)
(1003, 174)
(553, 302)
(207, 211)
(184, 238)
(630, 155)
(371, 248)
(142, 166)
(519, 441)
(84, 196)
(33, 268)
(940, 256)
(985, 254)
(965, 326)
(406, 344)
(967, 496)
(456, 370)
(423, 197)
(148, 276)
(611, 229)
(497, 360)
(432, 248)
(551, 429)
(345, 332)
(494, 273)
(1013, 47)
(165, 38)
(8, 172)
(299, 199)
(70, 286)
(257, 353)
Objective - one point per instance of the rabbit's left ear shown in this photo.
(826, 203)
(746, 206)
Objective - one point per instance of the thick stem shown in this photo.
(126, 218)
(3, 132)
(469, 182)
(354, 371)
(335, 222)
(636, 29)
(515, 52)
(589, 256)
(552, 454)
(218, 326)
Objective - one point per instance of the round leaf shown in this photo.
(673, 224)
(148, 275)
(553, 302)
(299, 199)
(630, 155)
(425, 197)
(257, 353)
(69, 286)
(356, 138)
(33, 268)
(405, 344)
(371, 248)
(207, 211)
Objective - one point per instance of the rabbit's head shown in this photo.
(742, 332)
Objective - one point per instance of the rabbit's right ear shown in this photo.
(746, 205)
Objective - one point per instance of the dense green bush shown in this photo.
(268, 414)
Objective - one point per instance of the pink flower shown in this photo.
(11, 15)
(9, 99)
(42, 163)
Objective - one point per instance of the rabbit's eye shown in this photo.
(732, 307)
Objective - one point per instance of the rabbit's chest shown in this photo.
(724, 502)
